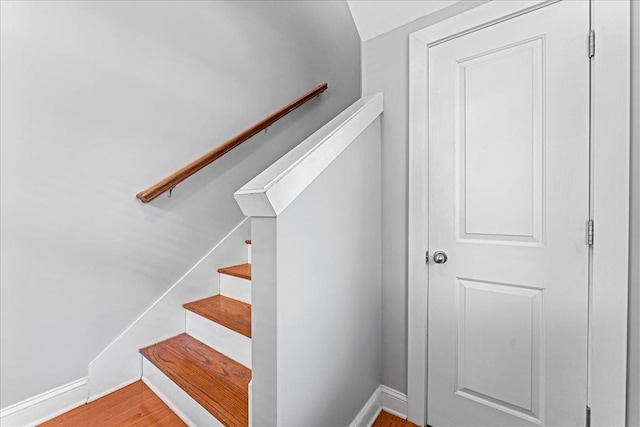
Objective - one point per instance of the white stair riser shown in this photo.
(230, 343)
(235, 287)
(177, 399)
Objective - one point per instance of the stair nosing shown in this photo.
(214, 406)
(189, 306)
(231, 271)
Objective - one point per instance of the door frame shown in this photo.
(609, 187)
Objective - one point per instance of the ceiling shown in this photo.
(375, 17)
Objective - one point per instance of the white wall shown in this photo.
(375, 17)
(316, 297)
(120, 363)
(633, 358)
(385, 68)
(328, 291)
(100, 100)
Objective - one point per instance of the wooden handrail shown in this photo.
(172, 180)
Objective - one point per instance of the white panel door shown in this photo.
(509, 204)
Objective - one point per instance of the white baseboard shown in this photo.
(385, 398)
(113, 389)
(393, 401)
(47, 405)
(369, 411)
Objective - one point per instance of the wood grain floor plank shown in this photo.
(134, 405)
(386, 419)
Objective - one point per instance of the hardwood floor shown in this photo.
(137, 406)
(385, 419)
(134, 405)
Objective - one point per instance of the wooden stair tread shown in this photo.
(240, 270)
(228, 312)
(218, 383)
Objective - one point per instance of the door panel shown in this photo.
(509, 202)
(500, 108)
(499, 362)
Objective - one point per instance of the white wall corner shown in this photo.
(374, 18)
(120, 363)
(369, 411)
(393, 401)
(383, 398)
(47, 405)
(268, 194)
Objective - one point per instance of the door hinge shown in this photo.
(588, 421)
(426, 257)
(590, 232)
(592, 43)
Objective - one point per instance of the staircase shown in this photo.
(325, 190)
(204, 374)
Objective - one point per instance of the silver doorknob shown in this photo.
(440, 257)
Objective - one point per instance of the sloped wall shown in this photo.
(99, 100)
